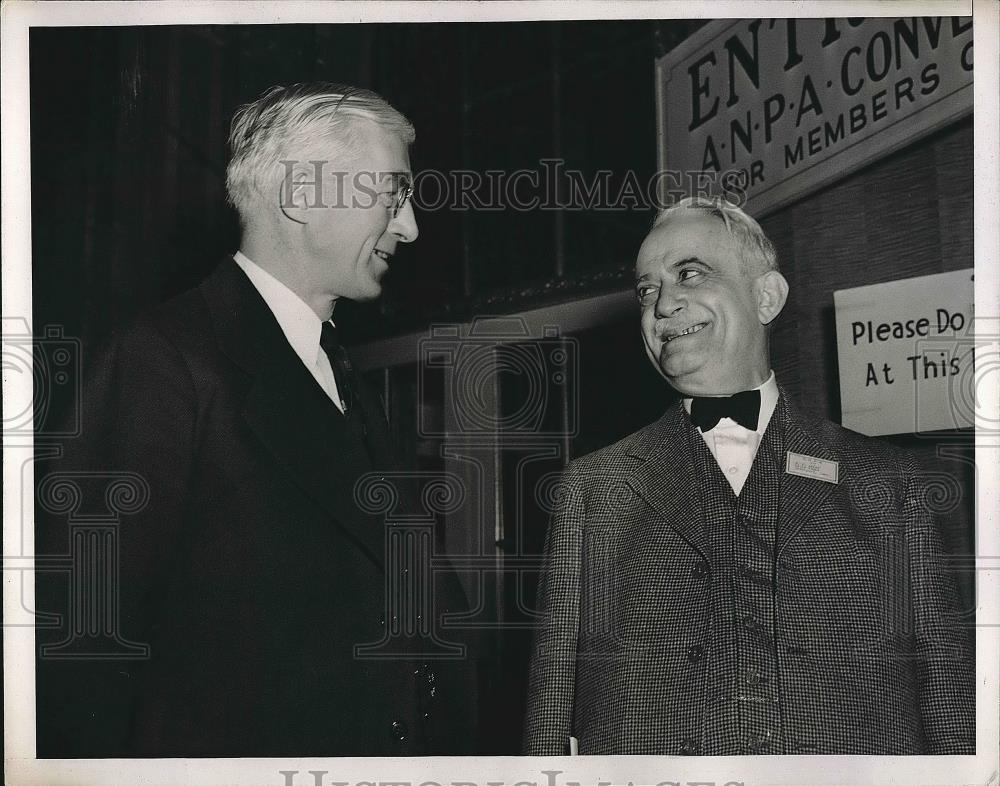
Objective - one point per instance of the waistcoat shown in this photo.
(741, 712)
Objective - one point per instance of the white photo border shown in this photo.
(22, 767)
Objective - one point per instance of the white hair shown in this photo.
(756, 251)
(287, 122)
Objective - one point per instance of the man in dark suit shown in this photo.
(250, 578)
(739, 577)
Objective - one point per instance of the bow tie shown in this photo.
(744, 408)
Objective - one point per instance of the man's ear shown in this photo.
(772, 291)
(294, 191)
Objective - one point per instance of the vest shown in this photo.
(741, 711)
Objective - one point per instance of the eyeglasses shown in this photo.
(401, 194)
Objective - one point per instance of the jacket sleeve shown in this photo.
(946, 664)
(130, 464)
(552, 675)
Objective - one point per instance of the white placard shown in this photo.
(905, 350)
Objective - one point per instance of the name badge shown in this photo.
(812, 467)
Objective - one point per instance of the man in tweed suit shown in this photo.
(739, 577)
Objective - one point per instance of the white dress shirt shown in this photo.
(735, 447)
(298, 322)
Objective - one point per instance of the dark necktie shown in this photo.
(744, 408)
(339, 362)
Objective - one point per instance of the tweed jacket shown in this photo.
(251, 573)
(869, 657)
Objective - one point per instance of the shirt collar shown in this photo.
(768, 401)
(297, 320)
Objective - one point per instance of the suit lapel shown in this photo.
(666, 478)
(287, 409)
(801, 497)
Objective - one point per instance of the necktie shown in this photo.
(339, 362)
(744, 408)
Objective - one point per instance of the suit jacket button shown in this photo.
(694, 652)
(701, 570)
(759, 744)
(399, 730)
(690, 747)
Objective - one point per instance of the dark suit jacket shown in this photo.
(251, 573)
(870, 660)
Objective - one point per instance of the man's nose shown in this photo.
(404, 224)
(670, 301)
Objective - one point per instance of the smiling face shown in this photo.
(348, 243)
(703, 317)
